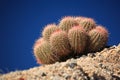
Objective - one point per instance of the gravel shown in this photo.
(104, 65)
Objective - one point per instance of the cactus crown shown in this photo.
(67, 23)
(48, 30)
(72, 37)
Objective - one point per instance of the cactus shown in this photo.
(98, 38)
(79, 19)
(76, 35)
(48, 30)
(78, 39)
(43, 52)
(59, 43)
(88, 24)
(66, 23)
(36, 45)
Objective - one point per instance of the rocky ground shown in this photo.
(104, 65)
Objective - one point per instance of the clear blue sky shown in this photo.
(21, 23)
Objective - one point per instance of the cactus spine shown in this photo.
(48, 30)
(59, 43)
(78, 39)
(67, 23)
(98, 38)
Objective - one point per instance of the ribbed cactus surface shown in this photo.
(88, 24)
(78, 39)
(48, 30)
(98, 38)
(67, 23)
(44, 54)
(59, 43)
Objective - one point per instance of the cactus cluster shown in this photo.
(73, 36)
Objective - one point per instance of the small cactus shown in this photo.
(48, 30)
(78, 39)
(88, 24)
(98, 38)
(67, 23)
(43, 52)
(59, 43)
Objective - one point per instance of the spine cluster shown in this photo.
(73, 36)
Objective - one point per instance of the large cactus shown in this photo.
(59, 43)
(98, 38)
(78, 39)
(43, 52)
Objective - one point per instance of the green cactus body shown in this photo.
(98, 38)
(67, 23)
(88, 24)
(60, 43)
(48, 30)
(43, 53)
(78, 39)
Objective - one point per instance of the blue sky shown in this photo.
(21, 23)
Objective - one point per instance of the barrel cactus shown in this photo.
(78, 39)
(48, 30)
(43, 52)
(72, 37)
(87, 23)
(79, 19)
(67, 23)
(59, 43)
(98, 38)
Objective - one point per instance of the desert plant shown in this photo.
(59, 43)
(98, 38)
(48, 30)
(87, 23)
(73, 36)
(67, 23)
(78, 39)
(79, 19)
(43, 52)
